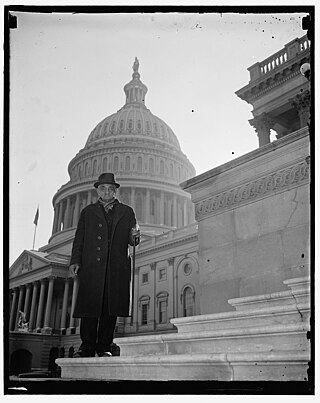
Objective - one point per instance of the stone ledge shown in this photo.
(283, 337)
(267, 315)
(277, 365)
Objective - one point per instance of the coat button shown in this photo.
(100, 225)
(99, 237)
(98, 259)
(98, 248)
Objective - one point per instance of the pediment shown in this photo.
(26, 262)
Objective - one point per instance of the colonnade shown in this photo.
(35, 300)
(151, 207)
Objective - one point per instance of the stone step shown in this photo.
(274, 366)
(299, 293)
(270, 315)
(248, 339)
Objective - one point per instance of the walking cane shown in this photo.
(133, 270)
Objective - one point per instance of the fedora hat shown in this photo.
(107, 178)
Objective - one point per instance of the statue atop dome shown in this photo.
(135, 65)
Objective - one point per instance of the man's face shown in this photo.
(106, 192)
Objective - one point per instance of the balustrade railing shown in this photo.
(289, 52)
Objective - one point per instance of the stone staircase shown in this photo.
(265, 338)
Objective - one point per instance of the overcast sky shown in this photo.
(67, 73)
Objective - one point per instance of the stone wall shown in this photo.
(253, 216)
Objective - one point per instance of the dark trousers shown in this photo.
(97, 333)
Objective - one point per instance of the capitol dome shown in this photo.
(144, 154)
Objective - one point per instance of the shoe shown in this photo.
(115, 349)
(104, 354)
(83, 354)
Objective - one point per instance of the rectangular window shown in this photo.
(163, 312)
(145, 278)
(144, 314)
(162, 274)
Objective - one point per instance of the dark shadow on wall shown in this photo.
(21, 361)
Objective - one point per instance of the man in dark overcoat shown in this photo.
(100, 259)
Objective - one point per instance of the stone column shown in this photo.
(133, 198)
(185, 212)
(262, 124)
(67, 214)
(55, 218)
(89, 197)
(48, 305)
(175, 211)
(64, 306)
(74, 299)
(171, 266)
(147, 209)
(169, 212)
(76, 211)
(26, 307)
(136, 299)
(301, 103)
(161, 207)
(41, 305)
(21, 295)
(60, 216)
(33, 305)
(13, 309)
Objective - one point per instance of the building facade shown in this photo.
(146, 157)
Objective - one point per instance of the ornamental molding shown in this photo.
(254, 190)
(168, 245)
(105, 150)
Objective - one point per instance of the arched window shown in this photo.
(139, 164)
(161, 167)
(151, 165)
(116, 164)
(144, 303)
(105, 164)
(171, 170)
(152, 207)
(127, 166)
(95, 167)
(188, 302)
(86, 169)
(113, 126)
(162, 304)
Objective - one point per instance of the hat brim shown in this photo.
(96, 184)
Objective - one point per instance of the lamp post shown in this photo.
(305, 70)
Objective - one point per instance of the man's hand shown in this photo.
(74, 268)
(135, 234)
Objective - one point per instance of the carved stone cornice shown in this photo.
(254, 190)
(301, 101)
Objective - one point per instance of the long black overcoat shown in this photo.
(90, 251)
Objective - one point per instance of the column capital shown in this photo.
(170, 261)
(262, 122)
(153, 265)
(301, 101)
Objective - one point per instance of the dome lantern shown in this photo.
(135, 90)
